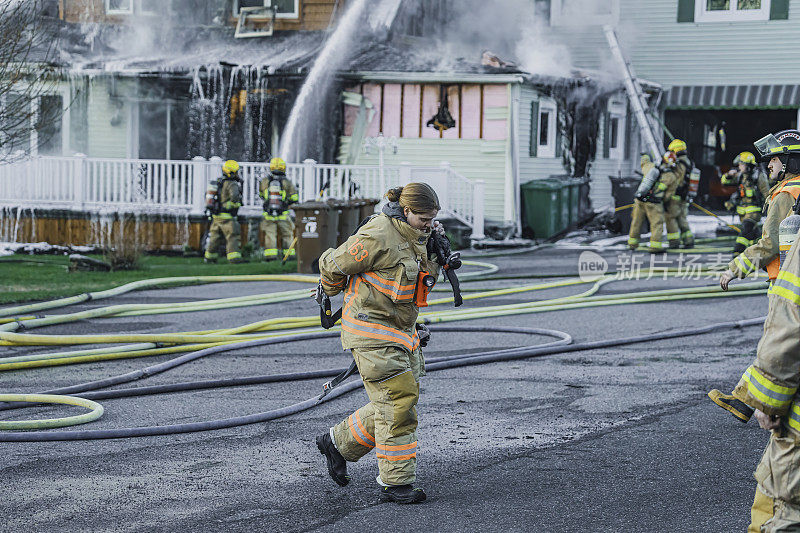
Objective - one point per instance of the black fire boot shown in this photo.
(337, 465)
(737, 408)
(403, 494)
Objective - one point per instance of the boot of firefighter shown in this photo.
(402, 494)
(736, 407)
(337, 465)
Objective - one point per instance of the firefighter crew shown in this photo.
(383, 269)
(657, 183)
(769, 390)
(676, 206)
(223, 200)
(752, 189)
(782, 150)
(278, 194)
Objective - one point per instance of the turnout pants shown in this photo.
(225, 230)
(278, 235)
(676, 211)
(654, 212)
(776, 506)
(749, 234)
(388, 422)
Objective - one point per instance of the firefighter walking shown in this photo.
(782, 150)
(278, 194)
(223, 200)
(769, 390)
(657, 183)
(676, 206)
(385, 269)
(748, 200)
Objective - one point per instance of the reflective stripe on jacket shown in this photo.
(379, 265)
(771, 383)
(764, 253)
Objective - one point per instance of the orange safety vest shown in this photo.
(791, 186)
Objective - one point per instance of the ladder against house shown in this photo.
(81, 183)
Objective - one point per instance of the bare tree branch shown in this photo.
(28, 42)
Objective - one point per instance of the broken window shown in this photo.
(162, 130)
(544, 127)
(116, 7)
(48, 124)
(254, 22)
(613, 128)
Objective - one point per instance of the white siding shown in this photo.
(532, 168)
(474, 159)
(105, 139)
(687, 53)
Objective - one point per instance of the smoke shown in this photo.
(537, 51)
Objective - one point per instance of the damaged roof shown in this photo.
(137, 49)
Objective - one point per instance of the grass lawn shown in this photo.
(46, 277)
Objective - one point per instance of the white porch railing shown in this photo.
(159, 186)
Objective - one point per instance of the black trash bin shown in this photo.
(349, 213)
(623, 189)
(316, 225)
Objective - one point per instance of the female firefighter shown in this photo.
(386, 271)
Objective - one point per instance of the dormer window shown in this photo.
(284, 9)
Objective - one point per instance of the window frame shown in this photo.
(732, 14)
(616, 110)
(110, 11)
(558, 19)
(547, 105)
(268, 3)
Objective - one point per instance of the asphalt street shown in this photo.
(616, 439)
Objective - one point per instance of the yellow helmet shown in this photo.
(230, 167)
(277, 164)
(746, 157)
(676, 146)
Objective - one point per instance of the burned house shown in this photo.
(152, 83)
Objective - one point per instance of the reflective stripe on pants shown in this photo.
(388, 423)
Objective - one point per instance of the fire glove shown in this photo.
(424, 334)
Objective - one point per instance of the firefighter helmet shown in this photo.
(785, 145)
(677, 146)
(230, 168)
(277, 164)
(745, 157)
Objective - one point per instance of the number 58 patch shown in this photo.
(357, 250)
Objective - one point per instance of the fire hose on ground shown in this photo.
(434, 364)
(232, 339)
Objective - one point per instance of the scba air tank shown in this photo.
(787, 233)
(212, 194)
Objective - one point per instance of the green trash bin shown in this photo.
(543, 206)
(573, 185)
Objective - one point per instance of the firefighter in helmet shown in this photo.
(676, 206)
(768, 389)
(782, 151)
(657, 183)
(223, 200)
(278, 194)
(752, 189)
